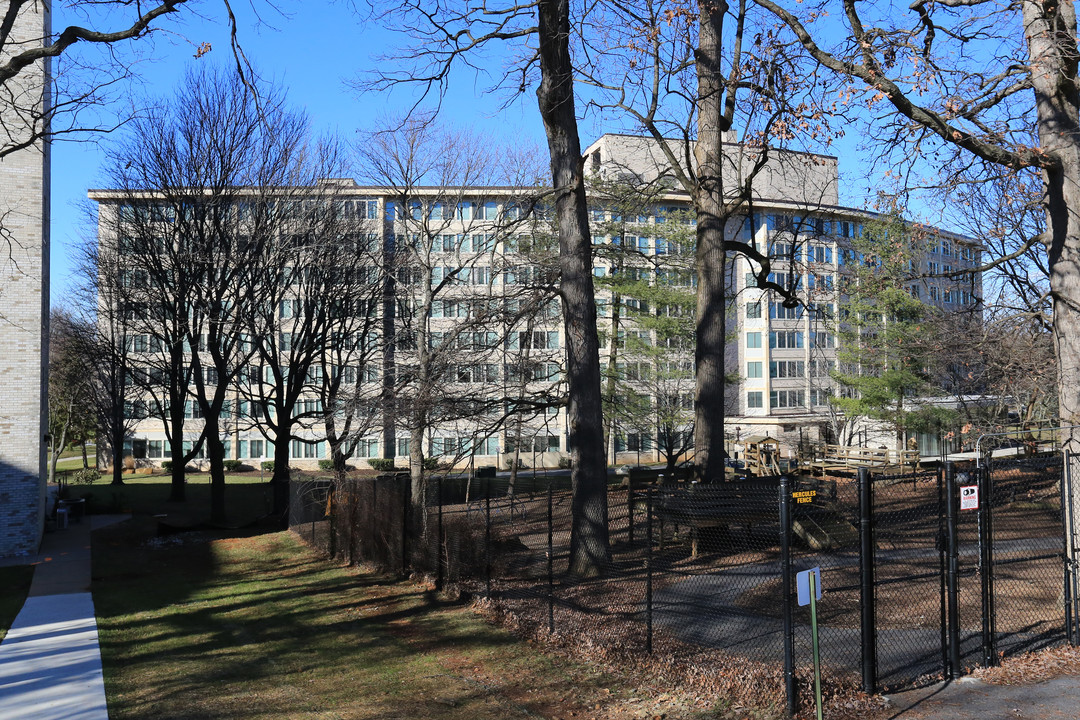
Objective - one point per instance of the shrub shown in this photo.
(166, 465)
(431, 463)
(381, 464)
(85, 476)
(326, 464)
(268, 465)
(233, 465)
(565, 463)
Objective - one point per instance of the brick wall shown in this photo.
(24, 309)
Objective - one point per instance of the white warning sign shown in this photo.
(969, 497)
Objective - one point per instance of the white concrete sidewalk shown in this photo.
(50, 662)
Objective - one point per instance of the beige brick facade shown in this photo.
(24, 305)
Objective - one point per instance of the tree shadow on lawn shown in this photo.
(246, 501)
(261, 618)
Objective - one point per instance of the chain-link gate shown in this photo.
(924, 572)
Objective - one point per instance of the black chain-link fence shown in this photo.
(707, 573)
(1026, 554)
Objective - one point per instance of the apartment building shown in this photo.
(467, 347)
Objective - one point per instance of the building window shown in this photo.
(821, 368)
(785, 339)
(302, 449)
(754, 400)
(787, 369)
(777, 311)
(753, 340)
(753, 310)
(753, 369)
(786, 399)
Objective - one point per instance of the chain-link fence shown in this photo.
(916, 585)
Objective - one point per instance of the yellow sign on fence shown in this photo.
(804, 496)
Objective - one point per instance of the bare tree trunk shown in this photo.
(589, 545)
(1051, 38)
(57, 445)
(85, 461)
(711, 301)
(117, 441)
(279, 481)
(417, 478)
(177, 487)
(216, 453)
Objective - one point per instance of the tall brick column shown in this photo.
(24, 302)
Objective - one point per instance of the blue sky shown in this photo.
(312, 52)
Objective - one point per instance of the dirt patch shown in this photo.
(1026, 595)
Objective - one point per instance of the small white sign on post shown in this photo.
(802, 585)
(969, 497)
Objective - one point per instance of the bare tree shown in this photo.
(200, 197)
(689, 77)
(104, 287)
(311, 315)
(459, 296)
(978, 88)
(71, 391)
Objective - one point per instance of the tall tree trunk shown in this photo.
(216, 452)
(590, 552)
(178, 487)
(417, 520)
(85, 460)
(1051, 36)
(279, 481)
(117, 441)
(708, 202)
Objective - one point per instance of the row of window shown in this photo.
(791, 368)
(787, 398)
(642, 243)
(791, 339)
(420, 210)
(950, 295)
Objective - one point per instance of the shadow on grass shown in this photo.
(247, 498)
(261, 618)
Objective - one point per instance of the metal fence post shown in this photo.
(986, 564)
(1068, 520)
(942, 572)
(866, 585)
(630, 513)
(406, 521)
(331, 518)
(952, 575)
(439, 540)
(648, 570)
(487, 537)
(789, 611)
(550, 558)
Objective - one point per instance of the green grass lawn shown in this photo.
(15, 582)
(260, 627)
(247, 497)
